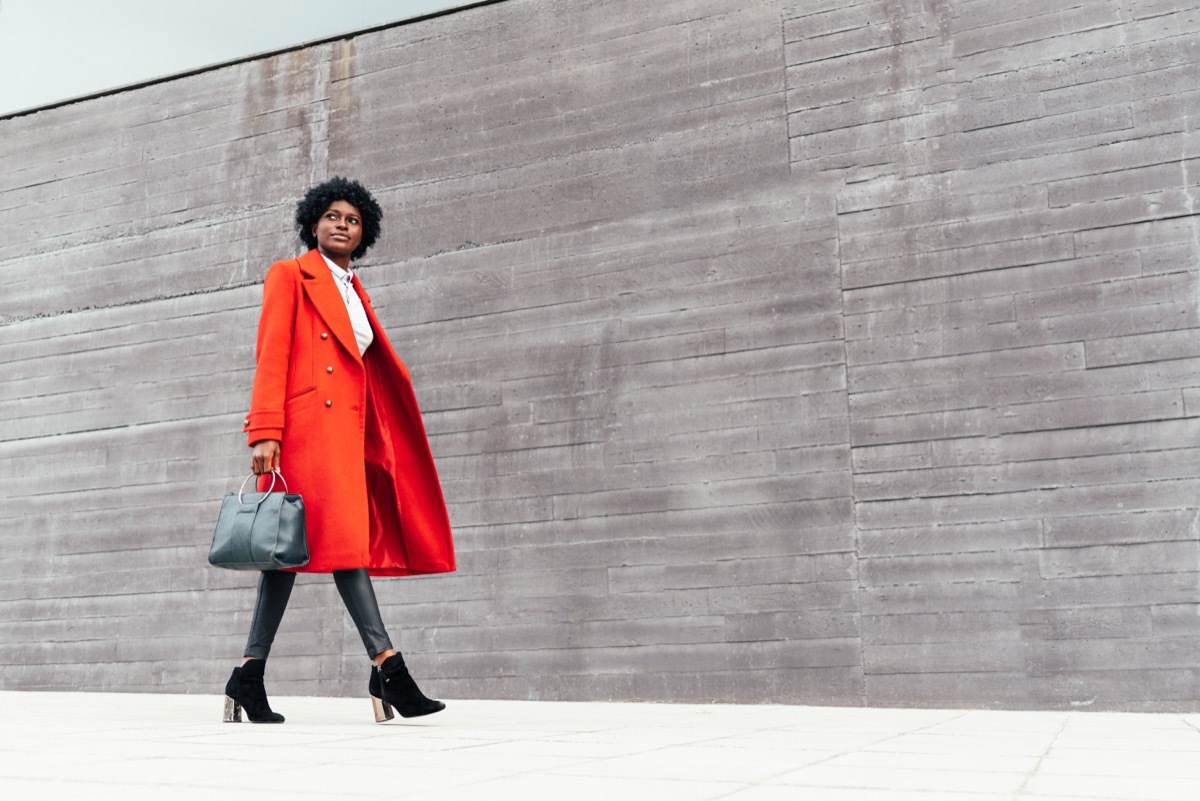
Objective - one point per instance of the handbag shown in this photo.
(260, 530)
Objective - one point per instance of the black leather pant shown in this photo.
(274, 589)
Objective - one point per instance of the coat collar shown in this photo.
(326, 298)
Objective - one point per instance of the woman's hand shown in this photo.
(266, 456)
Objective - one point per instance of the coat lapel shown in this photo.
(322, 290)
(366, 302)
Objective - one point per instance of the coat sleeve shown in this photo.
(272, 353)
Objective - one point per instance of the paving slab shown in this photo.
(131, 746)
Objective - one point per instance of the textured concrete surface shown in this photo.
(133, 746)
(821, 352)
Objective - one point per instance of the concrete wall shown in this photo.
(813, 352)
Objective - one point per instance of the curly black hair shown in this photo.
(318, 199)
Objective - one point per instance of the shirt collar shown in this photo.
(338, 272)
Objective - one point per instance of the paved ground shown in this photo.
(104, 746)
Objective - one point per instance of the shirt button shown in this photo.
(329, 369)
(324, 335)
(328, 403)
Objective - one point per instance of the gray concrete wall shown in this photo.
(808, 352)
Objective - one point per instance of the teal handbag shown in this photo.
(260, 530)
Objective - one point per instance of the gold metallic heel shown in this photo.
(233, 711)
(383, 710)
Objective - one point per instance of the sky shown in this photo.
(52, 50)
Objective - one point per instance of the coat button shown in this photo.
(328, 403)
(324, 335)
(246, 422)
(329, 369)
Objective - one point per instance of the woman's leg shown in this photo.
(390, 684)
(274, 590)
(359, 597)
(245, 686)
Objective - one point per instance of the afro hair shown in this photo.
(318, 199)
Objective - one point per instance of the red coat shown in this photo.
(353, 444)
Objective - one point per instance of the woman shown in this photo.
(333, 410)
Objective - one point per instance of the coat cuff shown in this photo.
(263, 425)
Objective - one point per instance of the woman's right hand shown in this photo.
(266, 456)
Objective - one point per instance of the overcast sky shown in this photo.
(52, 50)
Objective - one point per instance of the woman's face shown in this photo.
(339, 230)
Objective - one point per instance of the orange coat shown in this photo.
(353, 444)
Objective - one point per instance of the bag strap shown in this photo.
(269, 489)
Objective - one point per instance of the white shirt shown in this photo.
(354, 306)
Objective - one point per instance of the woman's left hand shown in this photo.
(266, 456)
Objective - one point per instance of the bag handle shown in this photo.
(269, 489)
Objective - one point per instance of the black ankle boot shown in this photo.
(391, 685)
(245, 690)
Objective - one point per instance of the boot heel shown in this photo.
(233, 711)
(383, 710)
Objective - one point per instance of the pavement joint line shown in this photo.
(823, 760)
(1049, 749)
(1188, 722)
